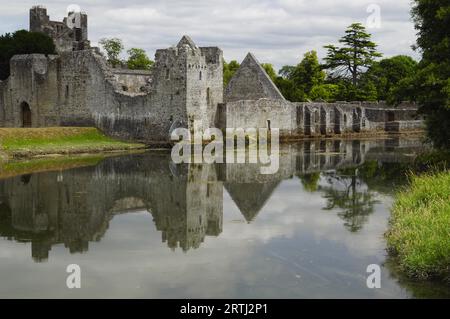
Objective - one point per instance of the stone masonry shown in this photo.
(77, 87)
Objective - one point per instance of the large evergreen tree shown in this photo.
(356, 54)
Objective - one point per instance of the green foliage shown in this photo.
(138, 60)
(269, 70)
(388, 73)
(22, 42)
(308, 73)
(324, 92)
(297, 82)
(228, 71)
(357, 53)
(289, 90)
(419, 232)
(432, 81)
(113, 48)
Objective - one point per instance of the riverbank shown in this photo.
(22, 143)
(419, 234)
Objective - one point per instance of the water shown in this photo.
(141, 226)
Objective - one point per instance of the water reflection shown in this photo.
(74, 207)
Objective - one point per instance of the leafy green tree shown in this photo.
(388, 73)
(289, 90)
(308, 73)
(113, 48)
(138, 60)
(22, 42)
(324, 92)
(356, 54)
(286, 71)
(296, 82)
(432, 80)
(269, 70)
(228, 71)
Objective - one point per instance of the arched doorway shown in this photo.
(26, 114)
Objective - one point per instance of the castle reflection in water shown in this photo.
(75, 206)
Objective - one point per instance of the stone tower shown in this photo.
(188, 81)
(69, 35)
(38, 19)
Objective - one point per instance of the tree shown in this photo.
(387, 74)
(308, 73)
(324, 92)
(286, 71)
(432, 80)
(357, 54)
(113, 48)
(289, 90)
(297, 82)
(269, 70)
(138, 60)
(228, 71)
(22, 42)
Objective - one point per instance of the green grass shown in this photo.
(20, 142)
(419, 234)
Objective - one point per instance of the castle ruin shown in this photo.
(77, 87)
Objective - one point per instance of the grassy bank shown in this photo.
(419, 234)
(30, 142)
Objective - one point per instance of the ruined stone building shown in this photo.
(77, 87)
(69, 35)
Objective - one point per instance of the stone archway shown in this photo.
(25, 112)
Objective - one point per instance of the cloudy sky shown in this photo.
(276, 31)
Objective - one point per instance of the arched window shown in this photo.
(200, 76)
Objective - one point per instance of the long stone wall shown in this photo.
(318, 119)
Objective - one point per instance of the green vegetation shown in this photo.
(22, 42)
(419, 234)
(298, 82)
(138, 60)
(431, 83)
(113, 48)
(228, 71)
(357, 53)
(19, 142)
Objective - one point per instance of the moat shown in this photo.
(140, 226)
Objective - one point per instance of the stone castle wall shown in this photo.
(318, 118)
(78, 88)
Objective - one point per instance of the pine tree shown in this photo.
(357, 54)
